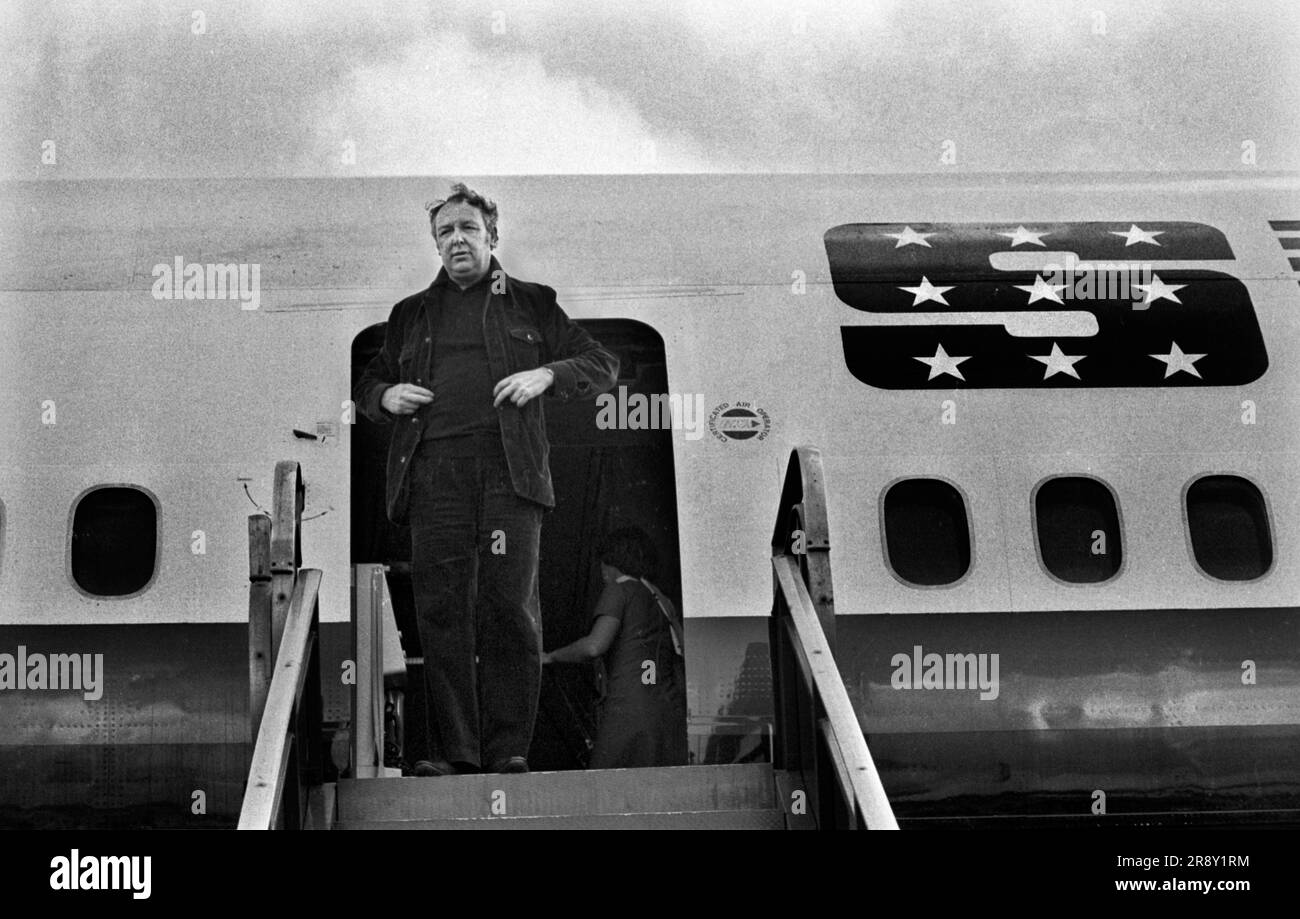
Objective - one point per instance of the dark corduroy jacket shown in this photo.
(523, 329)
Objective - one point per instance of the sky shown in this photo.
(482, 87)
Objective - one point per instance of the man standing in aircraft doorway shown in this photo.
(460, 375)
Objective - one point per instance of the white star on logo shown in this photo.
(1136, 234)
(1176, 360)
(910, 237)
(1158, 289)
(1042, 290)
(1021, 235)
(927, 291)
(1059, 362)
(941, 363)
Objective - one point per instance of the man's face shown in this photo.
(462, 238)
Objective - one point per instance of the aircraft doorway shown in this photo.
(603, 479)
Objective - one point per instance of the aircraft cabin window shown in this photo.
(927, 534)
(114, 541)
(1078, 529)
(1228, 524)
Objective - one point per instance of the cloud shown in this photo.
(134, 89)
(497, 86)
(447, 107)
(880, 86)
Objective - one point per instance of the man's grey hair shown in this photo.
(463, 193)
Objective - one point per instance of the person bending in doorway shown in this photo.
(638, 632)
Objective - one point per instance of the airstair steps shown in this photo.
(685, 797)
(691, 820)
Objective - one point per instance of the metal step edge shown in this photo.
(770, 819)
(556, 794)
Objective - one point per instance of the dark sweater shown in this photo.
(462, 412)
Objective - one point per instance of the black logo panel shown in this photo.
(1172, 326)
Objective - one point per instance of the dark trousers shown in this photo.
(474, 545)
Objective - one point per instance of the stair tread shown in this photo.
(612, 792)
(768, 819)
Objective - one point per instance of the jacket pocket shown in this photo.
(526, 347)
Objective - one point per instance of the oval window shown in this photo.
(1228, 525)
(927, 533)
(114, 541)
(1078, 529)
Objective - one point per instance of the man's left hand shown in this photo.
(522, 387)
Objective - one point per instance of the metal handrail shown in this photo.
(819, 740)
(285, 709)
(855, 772)
(368, 687)
(285, 750)
(802, 517)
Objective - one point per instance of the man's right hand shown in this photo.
(405, 398)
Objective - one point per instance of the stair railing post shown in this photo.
(802, 529)
(260, 660)
(286, 547)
